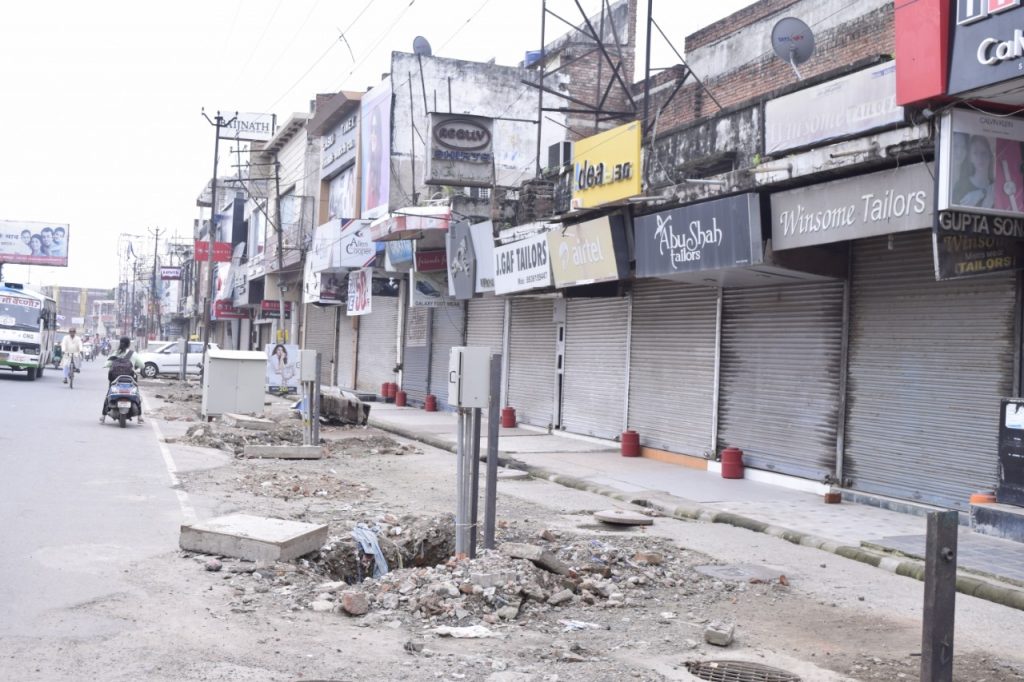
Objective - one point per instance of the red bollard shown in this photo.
(391, 389)
(430, 403)
(400, 397)
(508, 417)
(732, 463)
(384, 390)
(630, 444)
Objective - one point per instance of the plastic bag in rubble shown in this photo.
(367, 540)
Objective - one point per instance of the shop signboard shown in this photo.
(522, 265)
(723, 233)
(431, 260)
(34, 243)
(323, 288)
(375, 150)
(980, 161)
(856, 103)
(343, 195)
(360, 292)
(338, 147)
(170, 272)
(221, 251)
(483, 248)
(340, 245)
(270, 309)
(606, 166)
(248, 126)
(460, 150)
(589, 252)
(430, 290)
(224, 310)
(853, 208)
(398, 255)
(968, 245)
(986, 45)
(461, 261)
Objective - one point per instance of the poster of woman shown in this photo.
(375, 150)
(282, 368)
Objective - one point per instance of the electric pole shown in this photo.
(154, 297)
(217, 122)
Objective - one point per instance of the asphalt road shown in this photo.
(78, 502)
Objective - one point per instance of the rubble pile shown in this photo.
(288, 485)
(233, 439)
(367, 446)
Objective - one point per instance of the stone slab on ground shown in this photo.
(254, 538)
(741, 573)
(623, 517)
(978, 553)
(245, 421)
(284, 451)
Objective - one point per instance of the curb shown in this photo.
(691, 511)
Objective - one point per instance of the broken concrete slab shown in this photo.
(343, 406)
(623, 517)
(284, 451)
(741, 573)
(245, 421)
(254, 538)
(540, 557)
(719, 633)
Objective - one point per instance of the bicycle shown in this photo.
(72, 369)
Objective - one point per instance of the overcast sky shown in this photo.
(101, 119)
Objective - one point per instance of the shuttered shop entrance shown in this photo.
(347, 349)
(485, 323)
(672, 365)
(320, 336)
(378, 349)
(531, 371)
(780, 367)
(416, 356)
(594, 381)
(928, 363)
(448, 329)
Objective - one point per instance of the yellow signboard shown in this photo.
(606, 166)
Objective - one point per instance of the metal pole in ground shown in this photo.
(939, 597)
(460, 446)
(315, 427)
(474, 481)
(491, 491)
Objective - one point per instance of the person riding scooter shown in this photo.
(123, 362)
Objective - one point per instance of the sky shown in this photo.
(102, 102)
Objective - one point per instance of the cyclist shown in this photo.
(70, 347)
(118, 365)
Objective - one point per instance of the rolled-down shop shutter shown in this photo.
(346, 356)
(485, 322)
(594, 380)
(448, 329)
(416, 354)
(928, 364)
(378, 349)
(672, 365)
(531, 371)
(321, 322)
(780, 367)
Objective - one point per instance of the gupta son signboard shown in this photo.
(460, 150)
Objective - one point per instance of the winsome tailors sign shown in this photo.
(723, 233)
(853, 208)
(522, 265)
(606, 166)
(968, 245)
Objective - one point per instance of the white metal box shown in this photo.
(307, 365)
(234, 381)
(469, 376)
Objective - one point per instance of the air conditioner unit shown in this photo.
(559, 154)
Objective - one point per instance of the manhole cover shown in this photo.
(741, 573)
(738, 671)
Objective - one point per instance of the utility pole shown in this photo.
(154, 297)
(217, 122)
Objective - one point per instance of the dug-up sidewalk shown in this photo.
(989, 568)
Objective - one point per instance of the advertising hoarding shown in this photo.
(34, 243)
(460, 150)
(375, 150)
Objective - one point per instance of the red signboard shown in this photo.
(223, 310)
(221, 251)
(431, 261)
(922, 50)
(272, 308)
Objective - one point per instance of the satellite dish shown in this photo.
(421, 47)
(793, 41)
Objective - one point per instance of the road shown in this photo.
(78, 501)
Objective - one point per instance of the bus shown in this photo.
(28, 325)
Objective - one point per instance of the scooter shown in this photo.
(123, 400)
(55, 358)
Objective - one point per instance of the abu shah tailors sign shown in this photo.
(522, 265)
(460, 151)
(853, 208)
(606, 167)
(981, 157)
(588, 253)
(987, 46)
(715, 234)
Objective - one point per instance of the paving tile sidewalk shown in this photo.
(853, 530)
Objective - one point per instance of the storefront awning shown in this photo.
(413, 222)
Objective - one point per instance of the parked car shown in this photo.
(163, 357)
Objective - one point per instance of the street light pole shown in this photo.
(218, 122)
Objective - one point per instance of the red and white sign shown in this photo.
(431, 261)
(223, 310)
(221, 251)
(410, 223)
(272, 308)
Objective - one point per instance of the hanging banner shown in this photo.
(221, 251)
(360, 292)
(461, 261)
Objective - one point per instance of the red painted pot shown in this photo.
(630, 444)
(508, 417)
(732, 463)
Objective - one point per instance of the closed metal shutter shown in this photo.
(594, 381)
(320, 323)
(347, 348)
(416, 361)
(378, 346)
(928, 363)
(672, 365)
(531, 372)
(485, 322)
(449, 329)
(781, 349)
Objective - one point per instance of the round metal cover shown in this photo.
(623, 517)
(738, 671)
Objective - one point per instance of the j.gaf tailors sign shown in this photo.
(522, 265)
(715, 234)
